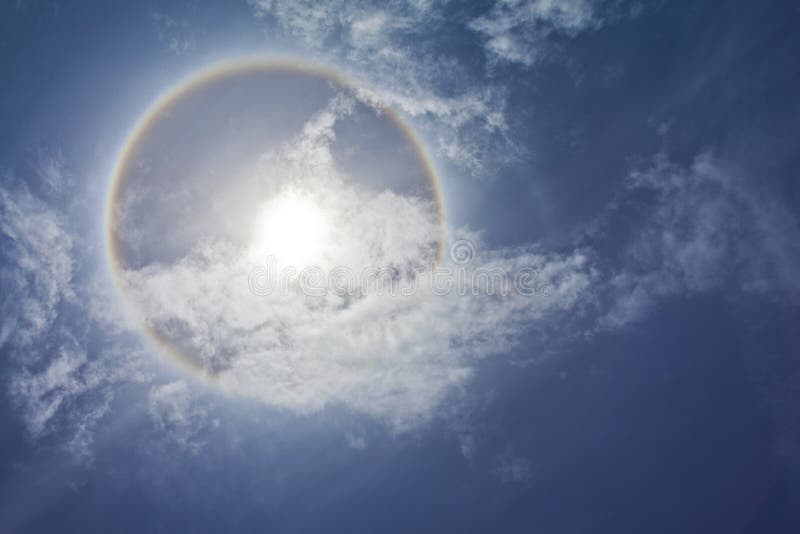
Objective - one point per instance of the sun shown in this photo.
(291, 228)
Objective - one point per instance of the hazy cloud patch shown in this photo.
(176, 413)
(701, 228)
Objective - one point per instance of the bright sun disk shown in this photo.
(292, 228)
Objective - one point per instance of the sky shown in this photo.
(579, 222)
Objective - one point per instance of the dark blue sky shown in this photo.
(643, 154)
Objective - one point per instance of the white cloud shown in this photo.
(176, 413)
(517, 30)
(392, 357)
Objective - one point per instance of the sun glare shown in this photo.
(292, 228)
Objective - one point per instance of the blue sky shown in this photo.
(639, 157)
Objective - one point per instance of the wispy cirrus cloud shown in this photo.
(173, 32)
(39, 266)
(386, 46)
(700, 229)
(517, 31)
(56, 383)
(176, 414)
(52, 171)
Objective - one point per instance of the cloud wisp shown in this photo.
(700, 229)
(517, 31)
(55, 381)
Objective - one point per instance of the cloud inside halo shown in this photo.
(395, 357)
